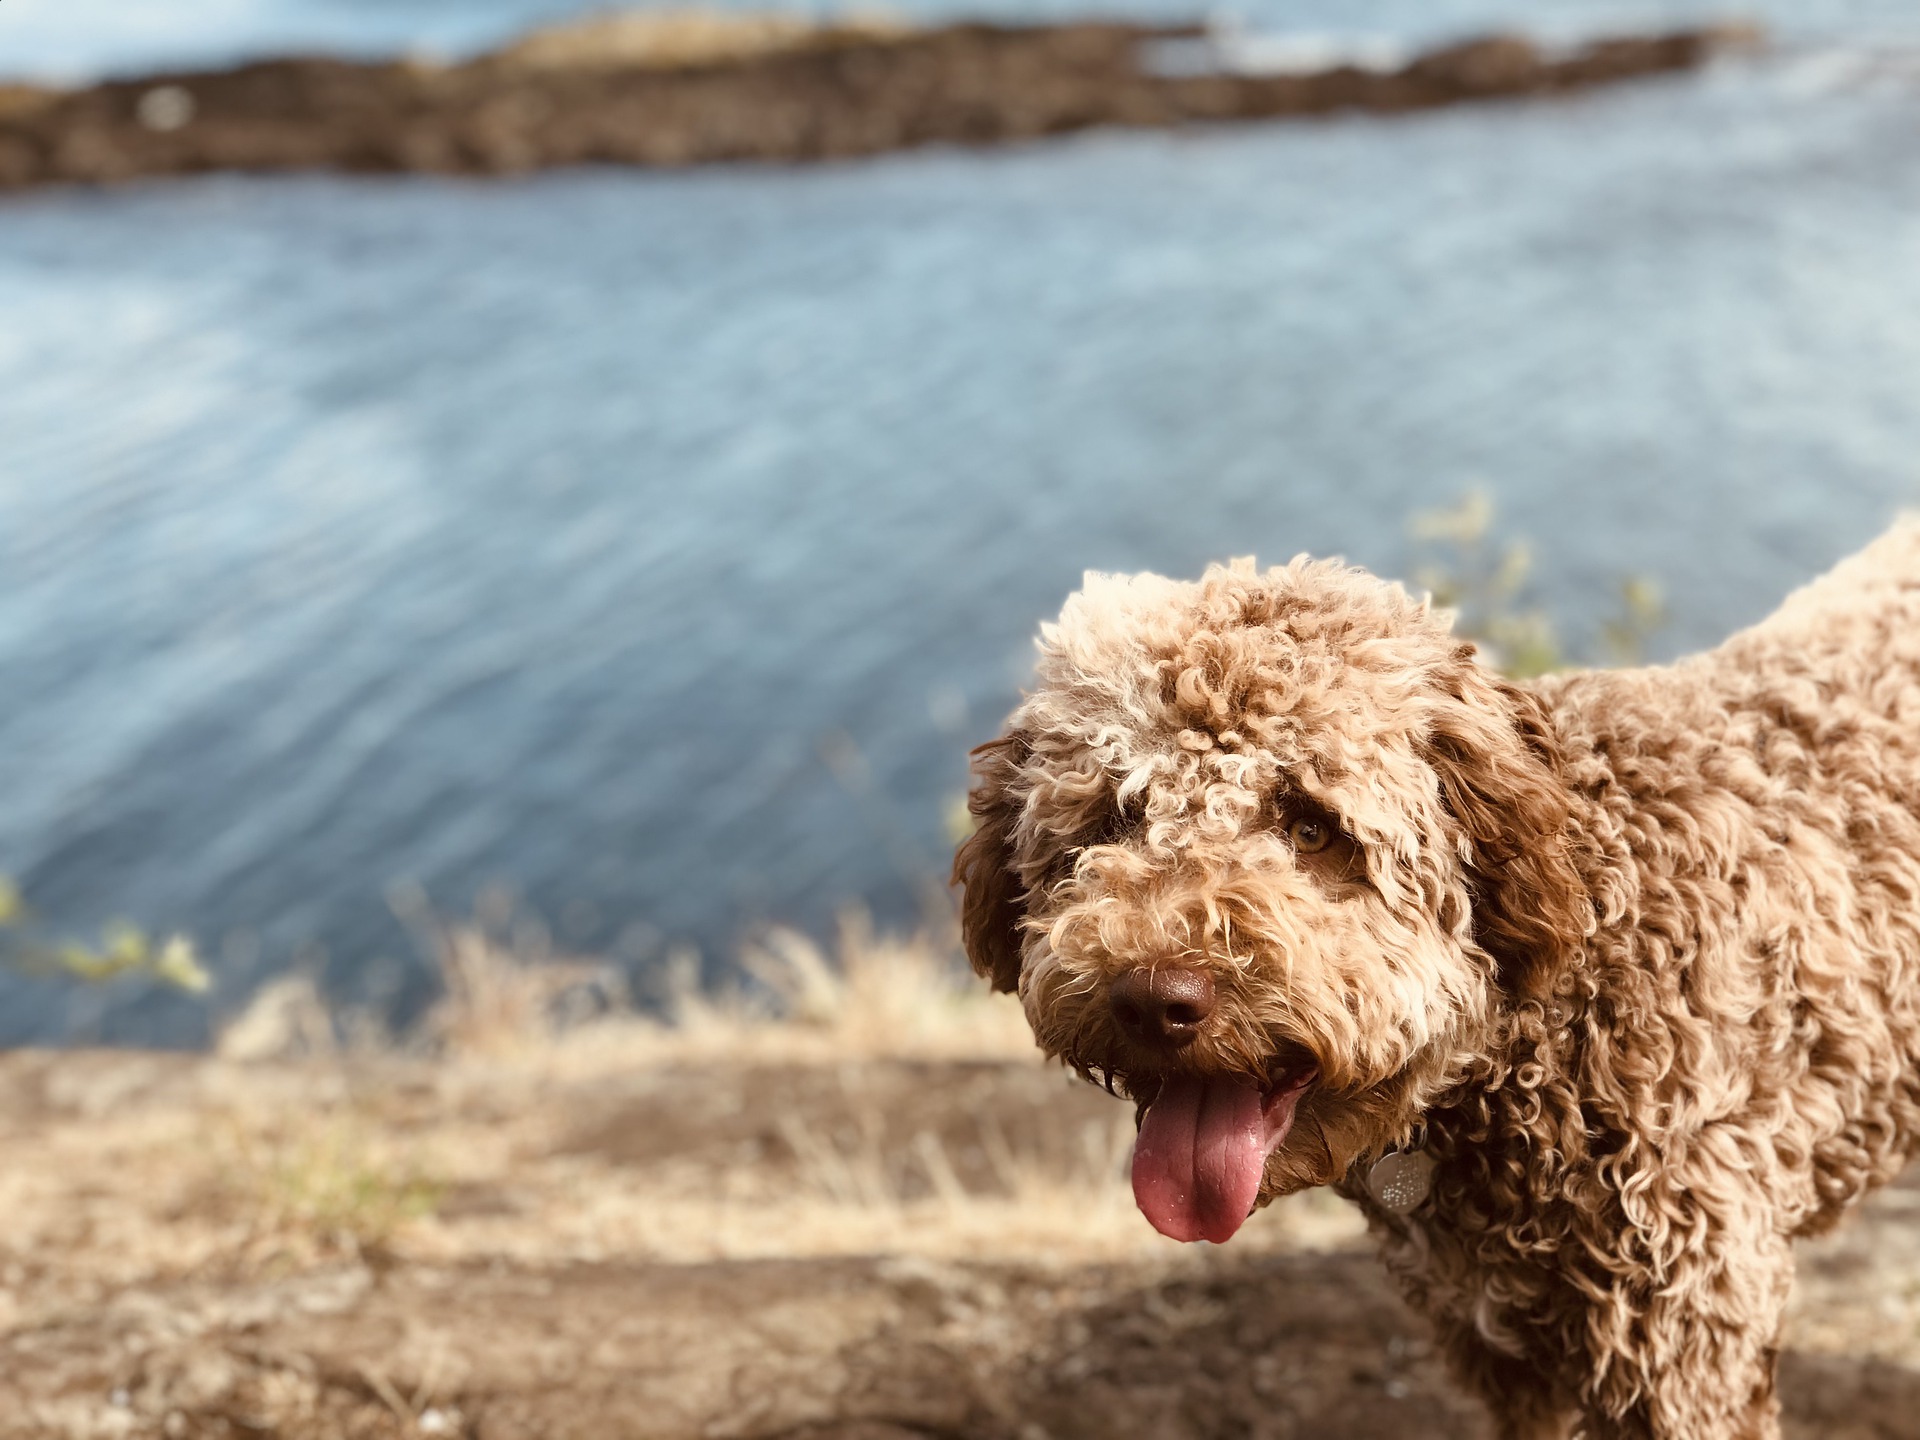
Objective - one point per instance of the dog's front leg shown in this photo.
(1524, 1403)
(1696, 1359)
(1622, 1354)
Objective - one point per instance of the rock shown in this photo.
(632, 94)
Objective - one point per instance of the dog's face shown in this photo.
(1265, 851)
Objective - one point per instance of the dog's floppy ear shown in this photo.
(983, 866)
(1502, 779)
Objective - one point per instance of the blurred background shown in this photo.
(651, 547)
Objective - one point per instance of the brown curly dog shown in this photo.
(1594, 991)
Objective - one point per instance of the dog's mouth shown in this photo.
(1203, 1148)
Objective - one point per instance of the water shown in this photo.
(657, 544)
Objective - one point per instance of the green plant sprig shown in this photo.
(124, 950)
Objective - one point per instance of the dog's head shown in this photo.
(1267, 851)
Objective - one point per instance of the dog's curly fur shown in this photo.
(1633, 955)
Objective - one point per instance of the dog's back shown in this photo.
(1767, 795)
(1856, 629)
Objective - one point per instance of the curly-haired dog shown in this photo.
(1594, 991)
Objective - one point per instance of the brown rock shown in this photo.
(820, 94)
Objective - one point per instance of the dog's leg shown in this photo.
(1693, 1360)
(1523, 1404)
(1713, 1350)
(1723, 1390)
(1698, 1363)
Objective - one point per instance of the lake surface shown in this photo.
(656, 545)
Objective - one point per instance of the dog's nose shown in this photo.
(1163, 1007)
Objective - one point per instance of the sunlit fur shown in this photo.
(1634, 955)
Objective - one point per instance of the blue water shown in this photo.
(656, 545)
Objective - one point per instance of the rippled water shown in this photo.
(658, 543)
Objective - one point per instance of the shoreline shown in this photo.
(790, 95)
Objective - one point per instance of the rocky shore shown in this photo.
(793, 94)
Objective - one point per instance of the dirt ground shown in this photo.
(609, 1244)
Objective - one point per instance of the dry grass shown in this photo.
(335, 1185)
(876, 997)
(329, 1233)
(875, 1100)
(841, 1171)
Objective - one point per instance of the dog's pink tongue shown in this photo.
(1202, 1149)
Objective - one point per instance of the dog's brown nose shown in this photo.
(1163, 1007)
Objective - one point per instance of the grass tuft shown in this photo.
(335, 1184)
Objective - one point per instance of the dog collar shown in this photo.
(1400, 1180)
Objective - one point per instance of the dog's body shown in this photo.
(1631, 957)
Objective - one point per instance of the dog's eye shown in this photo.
(1309, 835)
(1321, 847)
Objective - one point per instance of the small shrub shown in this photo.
(124, 950)
(1483, 580)
(329, 1184)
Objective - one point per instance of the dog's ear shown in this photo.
(1502, 779)
(983, 865)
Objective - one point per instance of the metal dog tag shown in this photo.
(1400, 1180)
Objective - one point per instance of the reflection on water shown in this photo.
(659, 542)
